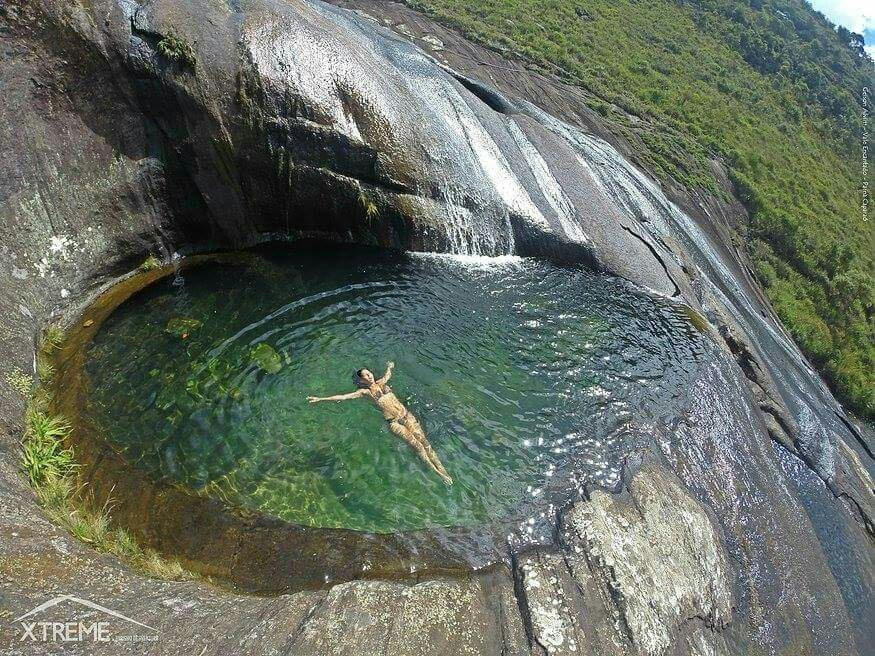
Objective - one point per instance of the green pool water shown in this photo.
(529, 379)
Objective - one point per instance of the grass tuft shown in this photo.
(89, 526)
(51, 469)
(368, 206)
(54, 491)
(44, 456)
(123, 545)
(45, 370)
(160, 567)
(53, 336)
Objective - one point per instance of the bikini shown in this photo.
(402, 420)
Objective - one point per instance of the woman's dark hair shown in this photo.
(358, 380)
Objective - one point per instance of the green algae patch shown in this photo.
(177, 49)
(699, 322)
(149, 264)
(181, 327)
(267, 359)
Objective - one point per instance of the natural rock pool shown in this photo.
(530, 380)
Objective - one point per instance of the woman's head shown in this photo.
(363, 378)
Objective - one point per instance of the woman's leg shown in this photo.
(433, 458)
(417, 432)
(420, 447)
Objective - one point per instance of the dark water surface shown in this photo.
(530, 380)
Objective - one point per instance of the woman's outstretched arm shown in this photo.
(338, 397)
(387, 375)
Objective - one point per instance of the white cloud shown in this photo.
(856, 15)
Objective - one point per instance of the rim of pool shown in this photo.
(261, 551)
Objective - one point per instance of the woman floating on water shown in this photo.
(401, 420)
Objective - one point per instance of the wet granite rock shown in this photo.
(466, 617)
(265, 357)
(662, 557)
(644, 572)
(297, 118)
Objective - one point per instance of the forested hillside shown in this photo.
(771, 88)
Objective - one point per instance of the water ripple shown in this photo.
(529, 379)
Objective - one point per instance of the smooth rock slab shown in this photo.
(644, 572)
(661, 555)
(571, 612)
(472, 616)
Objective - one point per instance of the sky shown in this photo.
(857, 15)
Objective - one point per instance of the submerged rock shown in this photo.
(181, 327)
(266, 357)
